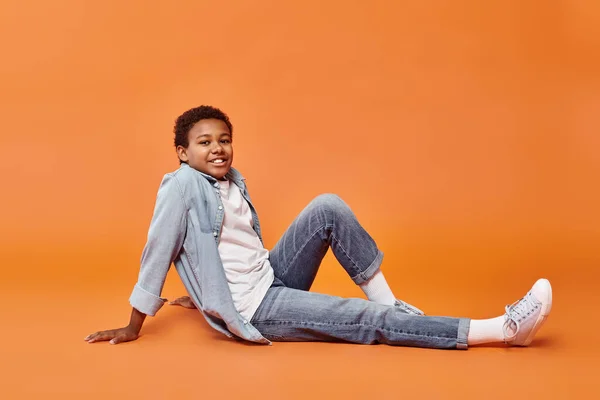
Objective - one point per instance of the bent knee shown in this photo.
(330, 202)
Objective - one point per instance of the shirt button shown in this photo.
(216, 185)
(220, 207)
(245, 322)
(215, 233)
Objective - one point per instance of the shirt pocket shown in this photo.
(202, 219)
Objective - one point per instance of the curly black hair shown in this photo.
(186, 121)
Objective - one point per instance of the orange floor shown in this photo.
(179, 356)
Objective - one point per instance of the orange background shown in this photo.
(465, 135)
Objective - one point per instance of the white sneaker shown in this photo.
(525, 317)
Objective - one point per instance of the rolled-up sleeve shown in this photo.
(165, 239)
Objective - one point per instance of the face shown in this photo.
(210, 149)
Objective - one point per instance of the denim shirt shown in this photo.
(185, 231)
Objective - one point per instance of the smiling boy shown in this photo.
(197, 151)
(204, 223)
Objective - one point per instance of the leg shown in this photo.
(294, 315)
(326, 222)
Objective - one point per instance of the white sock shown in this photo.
(377, 289)
(486, 331)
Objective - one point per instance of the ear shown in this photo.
(182, 153)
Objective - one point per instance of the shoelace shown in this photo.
(515, 313)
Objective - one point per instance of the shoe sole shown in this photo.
(546, 307)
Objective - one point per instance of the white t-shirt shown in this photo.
(245, 260)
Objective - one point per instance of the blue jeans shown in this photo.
(289, 312)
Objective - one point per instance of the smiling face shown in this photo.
(209, 148)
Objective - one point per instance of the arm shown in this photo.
(165, 239)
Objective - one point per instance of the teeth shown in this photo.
(219, 161)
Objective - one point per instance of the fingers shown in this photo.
(100, 336)
(114, 336)
(180, 301)
(119, 339)
(183, 301)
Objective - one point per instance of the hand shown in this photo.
(115, 336)
(183, 301)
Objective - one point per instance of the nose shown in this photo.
(217, 148)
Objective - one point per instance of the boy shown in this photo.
(205, 223)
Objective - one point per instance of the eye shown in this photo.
(226, 141)
(204, 142)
